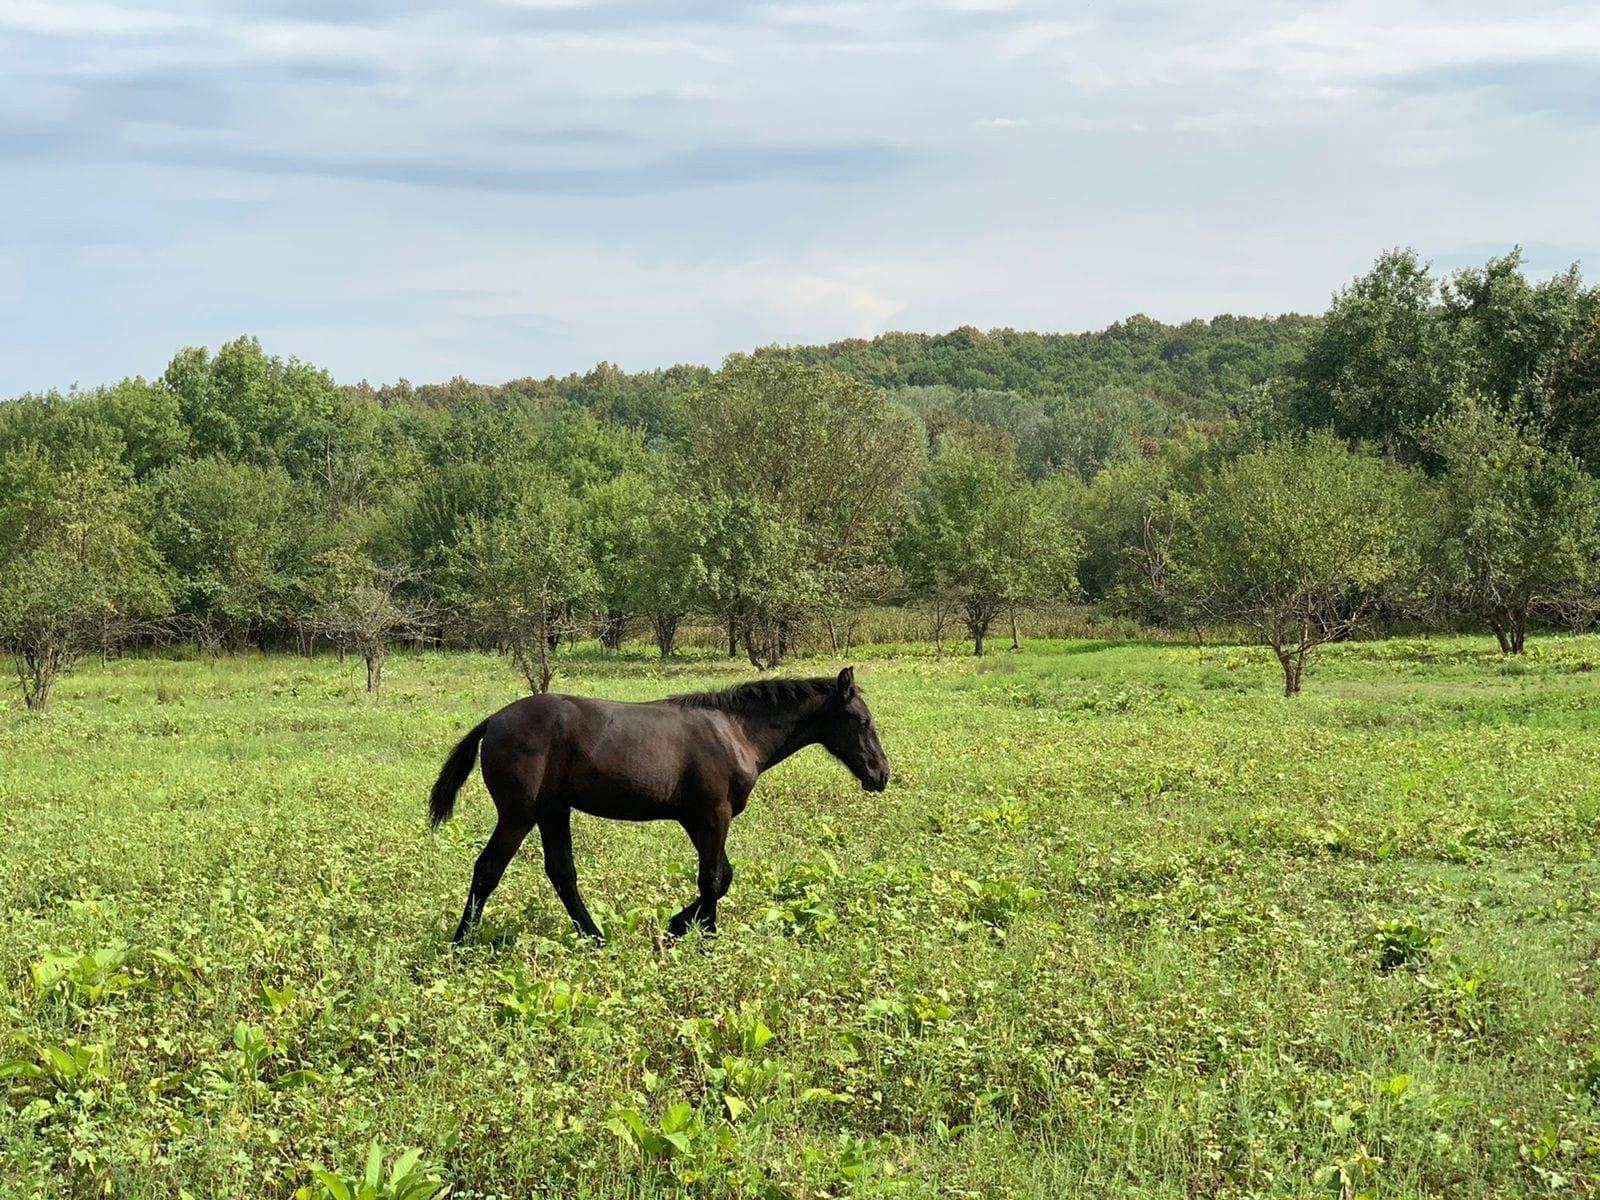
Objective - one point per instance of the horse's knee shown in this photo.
(725, 881)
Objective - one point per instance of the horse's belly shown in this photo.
(629, 781)
(626, 811)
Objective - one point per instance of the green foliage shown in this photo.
(63, 431)
(1083, 436)
(1515, 526)
(83, 978)
(526, 577)
(1294, 542)
(230, 532)
(1384, 360)
(408, 1179)
(1397, 347)
(362, 606)
(682, 1139)
(1402, 944)
(1572, 385)
(247, 406)
(670, 576)
(1128, 517)
(768, 506)
(1460, 1002)
(1512, 331)
(48, 1071)
(801, 472)
(546, 1002)
(1199, 364)
(1076, 434)
(995, 902)
(1138, 949)
(1589, 1074)
(146, 420)
(983, 537)
(642, 539)
(75, 568)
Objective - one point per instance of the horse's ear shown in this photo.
(847, 681)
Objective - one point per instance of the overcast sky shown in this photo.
(398, 188)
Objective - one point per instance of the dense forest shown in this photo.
(1424, 452)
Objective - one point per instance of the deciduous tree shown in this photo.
(1513, 523)
(525, 578)
(228, 530)
(1382, 363)
(811, 467)
(982, 537)
(1294, 542)
(75, 567)
(364, 606)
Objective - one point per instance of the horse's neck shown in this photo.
(778, 733)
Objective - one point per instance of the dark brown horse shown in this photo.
(691, 759)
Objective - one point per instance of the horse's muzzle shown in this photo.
(876, 781)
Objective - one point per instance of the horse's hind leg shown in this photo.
(486, 873)
(710, 839)
(555, 830)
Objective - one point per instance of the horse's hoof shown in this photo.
(677, 933)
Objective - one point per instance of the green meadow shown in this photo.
(1126, 923)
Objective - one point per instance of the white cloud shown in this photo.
(557, 5)
(532, 185)
(53, 17)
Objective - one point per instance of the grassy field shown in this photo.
(1126, 923)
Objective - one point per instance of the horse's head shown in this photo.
(851, 737)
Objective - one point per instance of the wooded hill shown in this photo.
(246, 498)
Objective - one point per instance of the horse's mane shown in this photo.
(757, 696)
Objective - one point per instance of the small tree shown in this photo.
(227, 530)
(759, 573)
(671, 570)
(1294, 542)
(802, 473)
(981, 536)
(1128, 515)
(939, 601)
(1513, 521)
(617, 521)
(526, 578)
(74, 567)
(362, 605)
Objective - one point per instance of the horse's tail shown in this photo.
(453, 774)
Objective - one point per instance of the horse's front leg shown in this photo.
(710, 837)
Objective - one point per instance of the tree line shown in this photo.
(1424, 453)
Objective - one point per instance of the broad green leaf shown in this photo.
(373, 1175)
(336, 1186)
(403, 1164)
